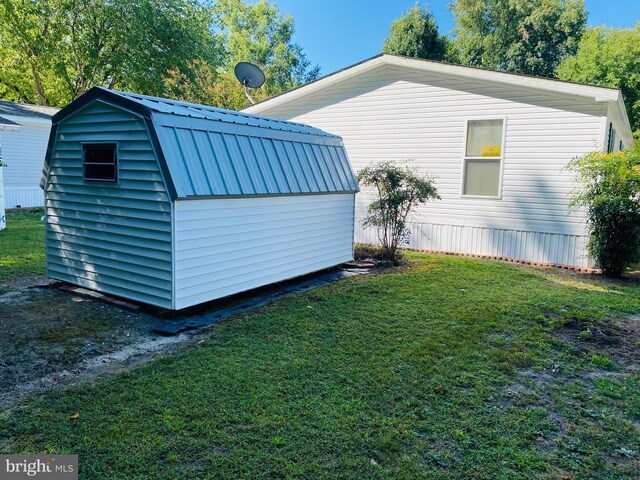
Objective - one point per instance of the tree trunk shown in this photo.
(37, 81)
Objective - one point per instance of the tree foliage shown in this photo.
(610, 192)
(260, 34)
(415, 34)
(398, 191)
(52, 51)
(610, 58)
(519, 36)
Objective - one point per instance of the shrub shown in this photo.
(609, 190)
(399, 190)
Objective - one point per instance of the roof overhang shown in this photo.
(8, 125)
(610, 96)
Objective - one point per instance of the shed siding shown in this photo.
(226, 246)
(114, 238)
(401, 114)
(24, 152)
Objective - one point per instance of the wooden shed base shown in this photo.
(118, 302)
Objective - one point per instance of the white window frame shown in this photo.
(501, 158)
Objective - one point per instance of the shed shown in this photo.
(24, 151)
(498, 143)
(174, 204)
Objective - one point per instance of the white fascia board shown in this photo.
(22, 120)
(598, 94)
(618, 114)
(312, 87)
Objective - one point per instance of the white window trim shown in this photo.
(501, 157)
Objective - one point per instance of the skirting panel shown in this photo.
(528, 246)
(23, 197)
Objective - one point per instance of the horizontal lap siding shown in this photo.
(400, 114)
(23, 151)
(114, 238)
(226, 246)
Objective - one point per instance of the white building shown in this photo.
(24, 150)
(498, 144)
(6, 125)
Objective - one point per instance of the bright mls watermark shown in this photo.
(48, 467)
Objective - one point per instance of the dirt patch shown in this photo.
(617, 338)
(52, 338)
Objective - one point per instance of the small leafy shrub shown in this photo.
(399, 190)
(609, 190)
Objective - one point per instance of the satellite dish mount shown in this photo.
(250, 76)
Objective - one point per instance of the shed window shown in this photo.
(483, 157)
(100, 163)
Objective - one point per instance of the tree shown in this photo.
(399, 190)
(609, 190)
(260, 34)
(610, 58)
(415, 34)
(52, 51)
(520, 36)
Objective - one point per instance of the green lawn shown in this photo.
(22, 244)
(448, 368)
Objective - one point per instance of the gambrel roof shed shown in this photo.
(173, 204)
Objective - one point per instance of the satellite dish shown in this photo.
(250, 76)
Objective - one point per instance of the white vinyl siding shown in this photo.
(398, 114)
(226, 246)
(3, 222)
(24, 152)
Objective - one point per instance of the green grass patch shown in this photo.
(602, 361)
(446, 369)
(22, 244)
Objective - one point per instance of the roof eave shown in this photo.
(99, 93)
(598, 94)
(320, 84)
(618, 111)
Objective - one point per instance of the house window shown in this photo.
(483, 157)
(100, 163)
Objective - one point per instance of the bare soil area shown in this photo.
(53, 338)
(618, 338)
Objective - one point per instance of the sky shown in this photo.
(339, 33)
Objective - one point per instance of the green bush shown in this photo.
(609, 190)
(398, 190)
